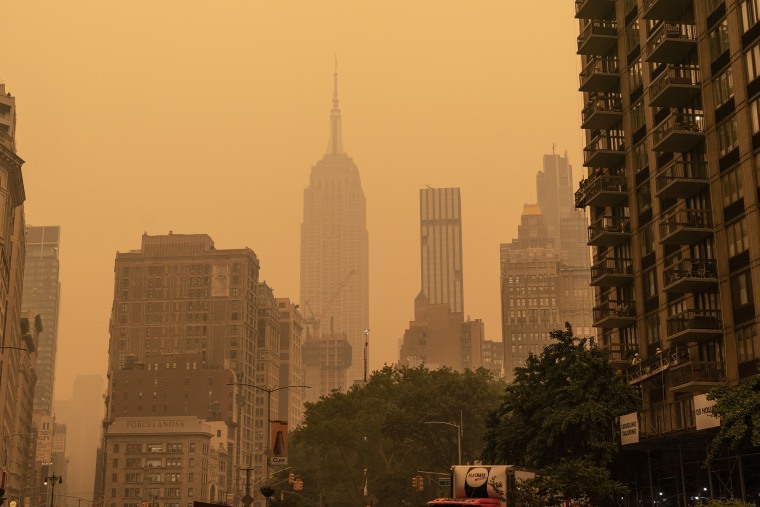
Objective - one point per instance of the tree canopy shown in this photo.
(381, 427)
(738, 407)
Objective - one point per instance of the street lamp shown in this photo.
(266, 490)
(459, 435)
(53, 479)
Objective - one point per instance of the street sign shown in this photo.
(444, 481)
(247, 500)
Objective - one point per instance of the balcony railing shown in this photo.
(681, 178)
(679, 132)
(612, 314)
(697, 376)
(662, 420)
(693, 326)
(676, 86)
(690, 275)
(671, 43)
(685, 226)
(612, 272)
(609, 231)
(601, 74)
(601, 190)
(602, 111)
(598, 37)
(605, 150)
(595, 9)
(622, 353)
(667, 10)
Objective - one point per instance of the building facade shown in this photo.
(545, 270)
(291, 363)
(42, 291)
(182, 306)
(441, 247)
(335, 248)
(672, 136)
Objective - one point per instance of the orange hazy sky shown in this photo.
(199, 116)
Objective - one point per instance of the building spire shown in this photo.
(335, 145)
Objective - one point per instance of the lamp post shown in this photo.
(459, 434)
(53, 479)
(266, 490)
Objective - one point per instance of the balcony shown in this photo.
(605, 150)
(612, 272)
(679, 132)
(671, 43)
(694, 326)
(609, 231)
(681, 178)
(602, 111)
(662, 420)
(685, 226)
(601, 190)
(601, 74)
(676, 86)
(690, 275)
(598, 37)
(621, 354)
(666, 10)
(697, 376)
(614, 314)
(595, 9)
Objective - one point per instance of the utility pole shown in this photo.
(366, 354)
(53, 478)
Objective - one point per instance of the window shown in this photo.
(731, 182)
(644, 197)
(752, 61)
(134, 448)
(718, 38)
(135, 463)
(749, 13)
(635, 72)
(632, 37)
(652, 327)
(646, 238)
(115, 447)
(745, 343)
(650, 283)
(173, 462)
(741, 289)
(638, 118)
(153, 462)
(640, 159)
(713, 4)
(723, 87)
(727, 138)
(737, 238)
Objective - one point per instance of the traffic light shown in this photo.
(420, 483)
(298, 484)
(414, 482)
(291, 477)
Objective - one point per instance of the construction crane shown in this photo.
(314, 323)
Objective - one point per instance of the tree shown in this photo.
(557, 415)
(738, 407)
(381, 428)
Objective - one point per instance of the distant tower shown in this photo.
(335, 248)
(42, 291)
(441, 246)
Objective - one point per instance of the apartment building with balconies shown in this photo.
(672, 133)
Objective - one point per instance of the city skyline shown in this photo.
(117, 125)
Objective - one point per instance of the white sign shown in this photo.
(629, 428)
(220, 281)
(703, 410)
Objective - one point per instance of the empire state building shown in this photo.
(335, 249)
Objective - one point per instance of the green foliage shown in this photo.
(739, 410)
(733, 502)
(381, 427)
(580, 482)
(560, 406)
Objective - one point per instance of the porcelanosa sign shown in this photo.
(182, 424)
(153, 425)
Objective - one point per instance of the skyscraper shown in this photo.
(671, 117)
(183, 326)
(335, 248)
(441, 246)
(42, 291)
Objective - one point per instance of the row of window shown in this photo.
(169, 447)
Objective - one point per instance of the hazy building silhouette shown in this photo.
(670, 92)
(42, 292)
(267, 370)
(82, 415)
(326, 361)
(541, 288)
(291, 363)
(175, 298)
(335, 249)
(441, 247)
(434, 337)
